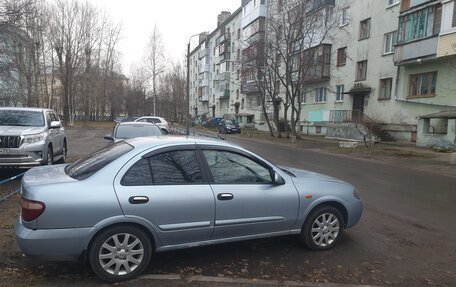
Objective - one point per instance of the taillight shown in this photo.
(31, 209)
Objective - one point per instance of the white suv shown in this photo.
(160, 122)
(31, 137)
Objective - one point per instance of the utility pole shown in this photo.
(187, 129)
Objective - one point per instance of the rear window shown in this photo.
(88, 165)
(21, 118)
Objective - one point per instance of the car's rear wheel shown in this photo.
(120, 253)
(323, 228)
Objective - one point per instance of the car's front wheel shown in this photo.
(49, 159)
(323, 228)
(120, 253)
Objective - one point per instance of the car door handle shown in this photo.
(225, 196)
(138, 199)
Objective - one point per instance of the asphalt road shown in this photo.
(406, 237)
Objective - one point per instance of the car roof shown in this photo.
(24, 109)
(150, 142)
(136, 124)
(150, 117)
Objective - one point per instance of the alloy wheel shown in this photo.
(325, 229)
(121, 254)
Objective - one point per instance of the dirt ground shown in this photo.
(355, 261)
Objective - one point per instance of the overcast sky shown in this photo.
(177, 20)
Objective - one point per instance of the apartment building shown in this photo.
(215, 69)
(384, 64)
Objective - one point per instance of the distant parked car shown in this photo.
(129, 130)
(229, 127)
(31, 137)
(161, 122)
(118, 206)
(212, 123)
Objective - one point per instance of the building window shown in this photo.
(237, 94)
(393, 2)
(320, 95)
(239, 33)
(342, 56)
(454, 15)
(385, 89)
(340, 93)
(344, 17)
(423, 85)
(238, 73)
(361, 70)
(419, 24)
(389, 40)
(242, 104)
(364, 29)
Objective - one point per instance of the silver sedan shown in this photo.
(118, 206)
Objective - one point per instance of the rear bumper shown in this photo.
(52, 244)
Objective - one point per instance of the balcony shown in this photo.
(254, 13)
(205, 68)
(317, 65)
(315, 5)
(249, 87)
(204, 83)
(225, 76)
(225, 57)
(204, 53)
(410, 52)
(223, 95)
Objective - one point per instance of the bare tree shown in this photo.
(295, 55)
(155, 61)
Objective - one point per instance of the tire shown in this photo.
(49, 157)
(133, 249)
(64, 153)
(323, 228)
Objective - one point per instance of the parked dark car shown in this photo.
(229, 127)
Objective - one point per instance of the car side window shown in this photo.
(175, 167)
(168, 168)
(138, 175)
(232, 168)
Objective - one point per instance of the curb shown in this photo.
(242, 281)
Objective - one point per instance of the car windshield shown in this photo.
(230, 122)
(134, 131)
(88, 165)
(21, 118)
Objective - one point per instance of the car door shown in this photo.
(247, 201)
(167, 189)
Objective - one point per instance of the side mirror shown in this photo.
(55, 125)
(109, 137)
(278, 180)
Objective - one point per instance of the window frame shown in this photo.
(345, 16)
(366, 35)
(188, 147)
(202, 147)
(389, 43)
(394, 3)
(320, 95)
(339, 54)
(340, 89)
(358, 78)
(430, 79)
(380, 89)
